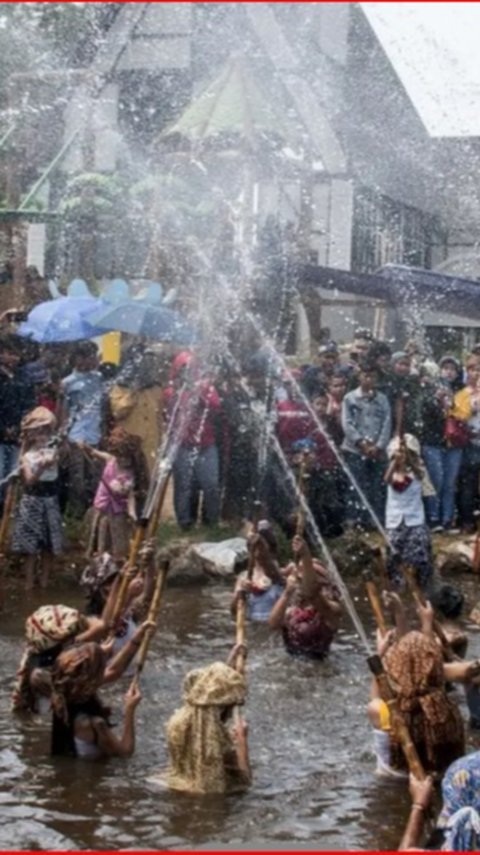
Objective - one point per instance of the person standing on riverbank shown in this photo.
(38, 531)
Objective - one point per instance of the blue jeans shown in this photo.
(369, 476)
(8, 461)
(443, 465)
(194, 470)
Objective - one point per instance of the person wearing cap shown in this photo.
(409, 538)
(328, 357)
(38, 528)
(442, 459)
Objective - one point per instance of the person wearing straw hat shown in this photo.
(38, 531)
(207, 753)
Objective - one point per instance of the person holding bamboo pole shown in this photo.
(409, 537)
(264, 585)
(308, 612)
(80, 724)
(417, 674)
(208, 752)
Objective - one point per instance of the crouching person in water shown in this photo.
(208, 752)
(308, 612)
(81, 726)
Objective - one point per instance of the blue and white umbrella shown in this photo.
(62, 319)
(143, 319)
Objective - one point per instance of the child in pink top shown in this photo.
(123, 478)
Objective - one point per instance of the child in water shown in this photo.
(38, 531)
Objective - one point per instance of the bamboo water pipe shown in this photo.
(127, 572)
(241, 611)
(302, 475)
(375, 602)
(153, 613)
(419, 599)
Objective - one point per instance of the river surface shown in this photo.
(313, 785)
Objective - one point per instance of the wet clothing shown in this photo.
(305, 632)
(47, 631)
(64, 741)
(202, 753)
(261, 600)
(415, 669)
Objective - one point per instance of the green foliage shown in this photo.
(92, 192)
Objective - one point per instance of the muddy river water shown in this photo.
(313, 787)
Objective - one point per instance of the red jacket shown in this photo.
(200, 430)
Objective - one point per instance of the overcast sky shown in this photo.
(434, 48)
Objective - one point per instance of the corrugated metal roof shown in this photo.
(433, 48)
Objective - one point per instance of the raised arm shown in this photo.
(109, 743)
(421, 794)
(118, 663)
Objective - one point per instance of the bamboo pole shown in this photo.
(419, 599)
(375, 602)
(130, 565)
(398, 723)
(241, 612)
(153, 613)
(381, 570)
(154, 520)
(302, 475)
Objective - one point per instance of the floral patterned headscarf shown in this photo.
(459, 818)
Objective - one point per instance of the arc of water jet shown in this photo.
(322, 430)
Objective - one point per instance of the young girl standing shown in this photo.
(38, 522)
(123, 481)
(408, 534)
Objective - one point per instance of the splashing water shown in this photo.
(349, 604)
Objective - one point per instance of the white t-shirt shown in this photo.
(405, 506)
(37, 456)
